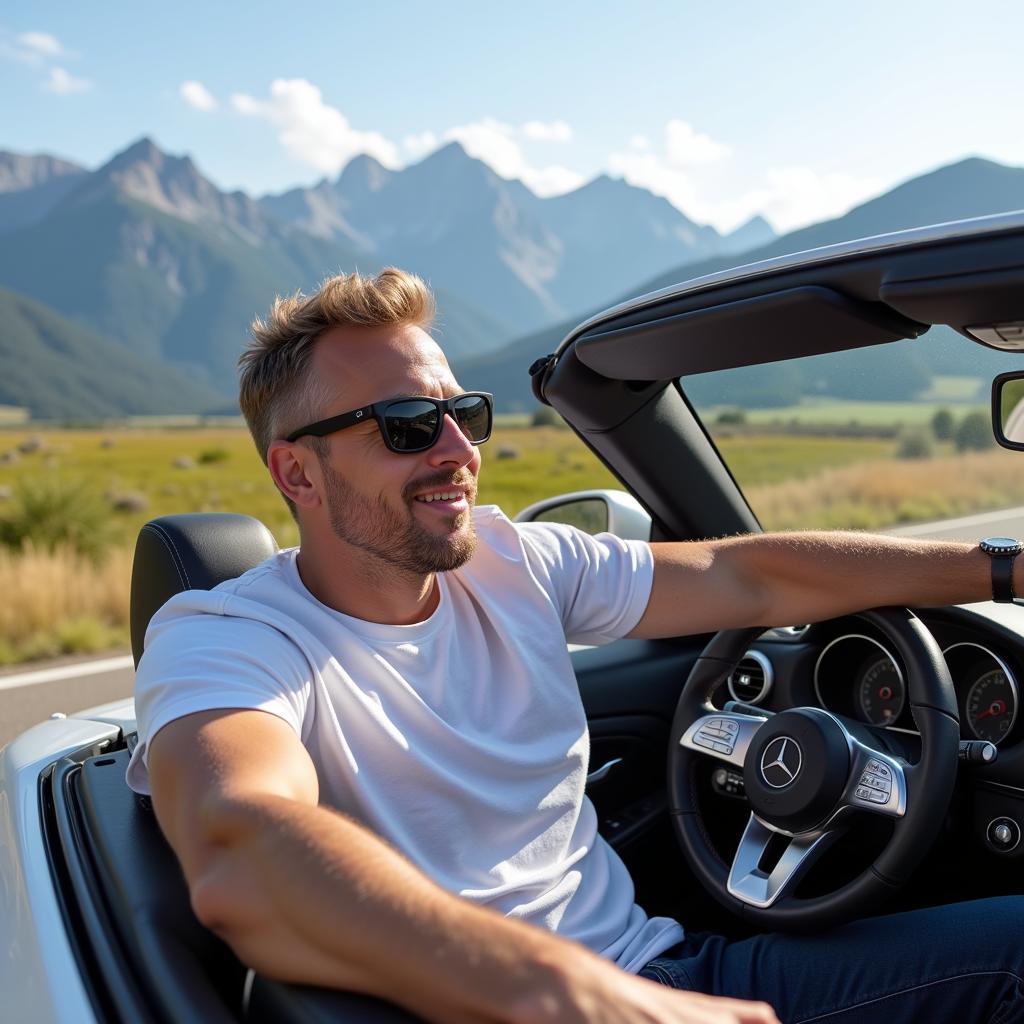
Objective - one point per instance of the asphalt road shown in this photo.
(22, 706)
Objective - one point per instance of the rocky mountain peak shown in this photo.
(173, 185)
(20, 171)
(364, 173)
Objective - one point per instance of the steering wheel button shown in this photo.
(723, 748)
(863, 793)
(879, 797)
(731, 727)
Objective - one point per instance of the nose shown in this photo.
(452, 447)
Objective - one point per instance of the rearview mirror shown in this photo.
(1008, 409)
(594, 512)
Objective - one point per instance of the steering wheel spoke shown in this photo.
(761, 874)
(877, 782)
(723, 735)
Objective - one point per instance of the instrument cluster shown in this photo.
(858, 676)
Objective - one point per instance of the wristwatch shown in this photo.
(1002, 551)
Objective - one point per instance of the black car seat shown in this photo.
(193, 551)
(149, 957)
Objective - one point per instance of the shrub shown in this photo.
(732, 417)
(915, 444)
(545, 416)
(974, 433)
(208, 456)
(943, 425)
(49, 513)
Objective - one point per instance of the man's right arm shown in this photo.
(304, 894)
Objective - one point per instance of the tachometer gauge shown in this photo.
(991, 706)
(880, 691)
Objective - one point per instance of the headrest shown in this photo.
(192, 551)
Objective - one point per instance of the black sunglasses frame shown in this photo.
(378, 411)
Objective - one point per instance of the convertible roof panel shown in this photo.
(961, 300)
(779, 325)
(872, 291)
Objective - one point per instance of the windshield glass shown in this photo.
(893, 437)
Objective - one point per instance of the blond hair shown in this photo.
(276, 391)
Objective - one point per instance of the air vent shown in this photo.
(752, 679)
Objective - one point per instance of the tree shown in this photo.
(974, 433)
(943, 425)
(915, 444)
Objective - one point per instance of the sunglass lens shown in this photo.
(473, 415)
(411, 426)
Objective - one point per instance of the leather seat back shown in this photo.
(191, 551)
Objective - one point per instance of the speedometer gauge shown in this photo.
(880, 691)
(991, 706)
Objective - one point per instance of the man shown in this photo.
(369, 754)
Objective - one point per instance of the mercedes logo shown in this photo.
(781, 762)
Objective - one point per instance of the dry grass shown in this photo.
(61, 603)
(875, 495)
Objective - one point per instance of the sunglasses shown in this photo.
(414, 424)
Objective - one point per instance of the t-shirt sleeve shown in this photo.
(599, 584)
(203, 662)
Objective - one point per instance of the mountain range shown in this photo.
(147, 255)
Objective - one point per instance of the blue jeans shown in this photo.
(962, 963)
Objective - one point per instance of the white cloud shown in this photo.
(492, 141)
(497, 145)
(639, 142)
(685, 147)
(311, 130)
(64, 84)
(41, 43)
(550, 131)
(789, 196)
(195, 94)
(653, 172)
(799, 195)
(420, 144)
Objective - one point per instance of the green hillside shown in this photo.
(60, 371)
(181, 292)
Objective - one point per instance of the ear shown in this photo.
(295, 470)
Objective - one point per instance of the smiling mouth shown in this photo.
(455, 494)
(446, 496)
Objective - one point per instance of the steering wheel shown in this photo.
(811, 777)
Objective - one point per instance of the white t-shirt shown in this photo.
(462, 739)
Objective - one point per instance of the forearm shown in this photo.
(304, 895)
(777, 579)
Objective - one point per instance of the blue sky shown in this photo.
(796, 110)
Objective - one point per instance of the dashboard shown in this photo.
(850, 668)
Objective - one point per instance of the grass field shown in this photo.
(155, 472)
(61, 602)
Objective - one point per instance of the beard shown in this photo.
(394, 535)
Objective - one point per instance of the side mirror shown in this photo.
(602, 511)
(1008, 409)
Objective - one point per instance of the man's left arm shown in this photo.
(789, 578)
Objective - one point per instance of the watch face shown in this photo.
(1001, 545)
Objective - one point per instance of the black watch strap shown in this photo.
(1002, 551)
(1002, 578)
